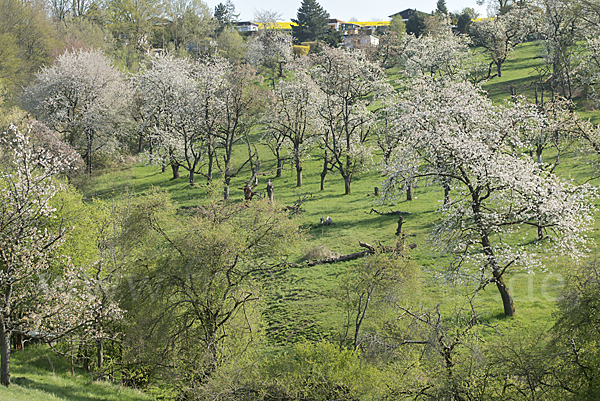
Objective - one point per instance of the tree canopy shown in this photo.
(311, 22)
(416, 24)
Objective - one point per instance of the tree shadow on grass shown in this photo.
(72, 393)
(492, 318)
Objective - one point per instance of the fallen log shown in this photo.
(370, 251)
(338, 259)
(388, 213)
(382, 248)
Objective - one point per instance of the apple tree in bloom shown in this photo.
(210, 79)
(180, 104)
(589, 68)
(84, 98)
(350, 85)
(452, 132)
(41, 292)
(164, 90)
(243, 104)
(294, 116)
(559, 28)
(438, 53)
(271, 49)
(500, 35)
(555, 126)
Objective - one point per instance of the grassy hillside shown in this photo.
(38, 374)
(301, 303)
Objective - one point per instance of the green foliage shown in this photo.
(311, 22)
(397, 25)
(225, 15)
(87, 220)
(319, 371)
(416, 24)
(230, 45)
(192, 288)
(322, 372)
(441, 7)
(464, 20)
(85, 33)
(26, 43)
(10, 114)
(333, 37)
(576, 334)
(10, 63)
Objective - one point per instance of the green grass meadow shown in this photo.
(38, 374)
(299, 303)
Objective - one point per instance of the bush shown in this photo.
(318, 372)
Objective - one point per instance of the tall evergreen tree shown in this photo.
(225, 15)
(311, 22)
(464, 20)
(441, 7)
(416, 24)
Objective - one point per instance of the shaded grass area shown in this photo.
(39, 374)
(519, 73)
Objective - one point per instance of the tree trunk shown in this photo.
(4, 354)
(492, 262)
(298, 174)
(192, 175)
(409, 192)
(140, 142)
(324, 172)
(270, 190)
(362, 311)
(347, 180)
(88, 161)
(499, 65)
(226, 192)
(446, 193)
(279, 166)
(100, 349)
(175, 168)
(507, 300)
(18, 340)
(210, 165)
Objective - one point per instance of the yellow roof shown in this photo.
(372, 23)
(288, 25)
(278, 25)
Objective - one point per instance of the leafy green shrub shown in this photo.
(318, 372)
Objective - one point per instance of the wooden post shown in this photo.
(270, 189)
(400, 221)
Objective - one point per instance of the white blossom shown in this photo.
(83, 97)
(350, 85)
(43, 293)
(294, 117)
(451, 132)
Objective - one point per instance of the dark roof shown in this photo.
(405, 14)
